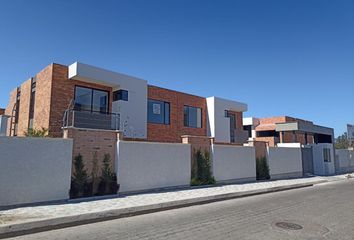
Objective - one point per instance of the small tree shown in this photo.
(262, 169)
(43, 132)
(342, 142)
(201, 174)
(80, 180)
(108, 183)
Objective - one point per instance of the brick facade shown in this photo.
(90, 142)
(284, 137)
(176, 128)
(2, 111)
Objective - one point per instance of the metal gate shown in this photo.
(307, 160)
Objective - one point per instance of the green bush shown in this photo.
(201, 171)
(80, 184)
(43, 132)
(108, 181)
(262, 169)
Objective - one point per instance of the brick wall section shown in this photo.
(271, 141)
(8, 109)
(239, 120)
(176, 128)
(2, 111)
(87, 142)
(63, 91)
(43, 95)
(23, 116)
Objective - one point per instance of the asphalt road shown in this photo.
(324, 211)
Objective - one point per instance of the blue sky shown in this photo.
(284, 57)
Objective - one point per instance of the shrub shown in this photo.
(108, 181)
(262, 169)
(43, 132)
(80, 184)
(201, 171)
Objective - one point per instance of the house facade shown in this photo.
(87, 97)
(285, 129)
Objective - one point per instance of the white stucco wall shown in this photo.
(34, 170)
(345, 160)
(133, 113)
(284, 162)
(144, 165)
(233, 163)
(218, 124)
(321, 167)
(3, 125)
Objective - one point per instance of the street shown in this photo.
(324, 211)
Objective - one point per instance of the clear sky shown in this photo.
(284, 57)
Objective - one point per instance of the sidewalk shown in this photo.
(39, 218)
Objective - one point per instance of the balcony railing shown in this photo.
(239, 136)
(91, 120)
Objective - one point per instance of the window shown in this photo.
(158, 112)
(93, 100)
(32, 101)
(327, 155)
(192, 117)
(120, 95)
(269, 133)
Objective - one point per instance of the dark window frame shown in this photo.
(186, 119)
(164, 103)
(92, 90)
(121, 95)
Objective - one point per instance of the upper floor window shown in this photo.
(89, 99)
(192, 117)
(120, 95)
(158, 112)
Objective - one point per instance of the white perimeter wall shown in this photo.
(345, 160)
(321, 167)
(233, 163)
(143, 165)
(284, 162)
(34, 170)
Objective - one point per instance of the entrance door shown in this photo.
(307, 160)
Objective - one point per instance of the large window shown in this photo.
(192, 117)
(88, 99)
(158, 112)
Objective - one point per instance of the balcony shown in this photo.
(91, 120)
(239, 136)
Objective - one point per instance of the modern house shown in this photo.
(88, 97)
(316, 142)
(285, 129)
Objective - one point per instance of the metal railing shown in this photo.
(239, 136)
(91, 120)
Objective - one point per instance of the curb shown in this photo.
(70, 221)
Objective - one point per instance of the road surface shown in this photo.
(325, 211)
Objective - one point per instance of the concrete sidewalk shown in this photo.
(26, 220)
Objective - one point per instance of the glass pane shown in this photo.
(199, 117)
(192, 118)
(167, 113)
(83, 98)
(185, 116)
(156, 111)
(100, 101)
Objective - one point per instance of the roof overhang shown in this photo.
(303, 127)
(91, 74)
